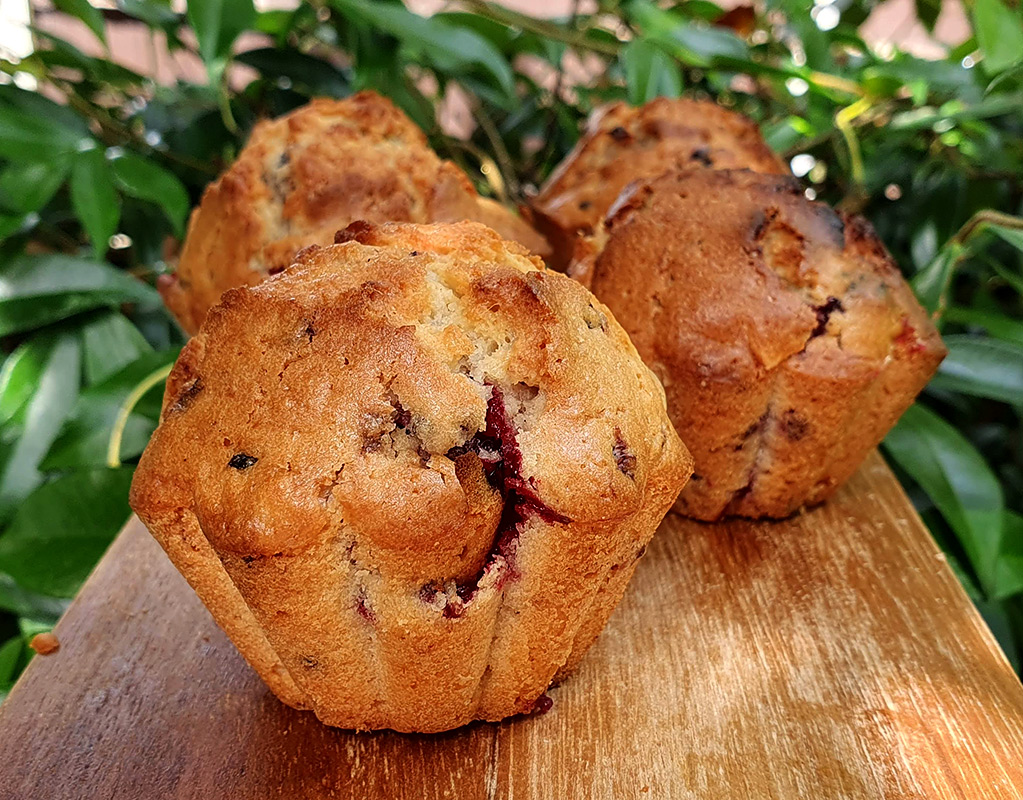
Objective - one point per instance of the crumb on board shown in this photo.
(44, 643)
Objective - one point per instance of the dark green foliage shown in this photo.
(930, 151)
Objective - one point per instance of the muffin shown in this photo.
(786, 339)
(622, 144)
(302, 177)
(411, 475)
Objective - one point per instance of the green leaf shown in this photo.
(27, 136)
(694, 44)
(10, 655)
(141, 178)
(928, 116)
(958, 481)
(154, 14)
(62, 53)
(447, 47)
(982, 368)
(649, 72)
(28, 187)
(87, 13)
(275, 22)
(997, 325)
(316, 76)
(1013, 236)
(94, 199)
(110, 342)
(505, 38)
(217, 23)
(36, 290)
(62, 529)
(13, 656)
(999, 32)
(85, 437)
(31, 627)
(703, 46)
(931, 284)
(10, 224)
(1007, 275)
(44, 413)
(20, 601)
(21, 373)
(1009, 575)
(38, 106)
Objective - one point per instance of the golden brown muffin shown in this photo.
(623, 144)
(427, 467)
(786, 339)
(305, 175)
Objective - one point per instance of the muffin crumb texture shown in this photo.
(623, 146)
(411, 475)
(303, 176)
(787, 341)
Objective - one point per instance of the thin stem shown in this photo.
(981, 219)
(505, 167)
(125, 409)
(826, 81)
(959, 249)
(224, 103)
(843, 121)
(548, 30)
(856, 198)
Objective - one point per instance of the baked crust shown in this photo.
(305, 175)
(623, 144)
(787, 341)
(427, 466)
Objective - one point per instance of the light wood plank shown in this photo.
(829, 656)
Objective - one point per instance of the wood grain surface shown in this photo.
(829, 656)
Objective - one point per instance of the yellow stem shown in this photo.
(125, 409)
(987, 216)
(829, 81)
(843, 121)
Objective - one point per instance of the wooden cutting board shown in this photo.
(829, 656)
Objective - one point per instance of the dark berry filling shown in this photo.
(241, 461)
(702, 155)
(543, 704)
(498, 450)
(824, 313)
(624, 458)
(794, 425)
(402, 416)
(364, 610)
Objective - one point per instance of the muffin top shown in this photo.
(754, 274)
(410, 385)
(303, 176)
(622, 144)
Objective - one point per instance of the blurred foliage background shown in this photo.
(99, 166)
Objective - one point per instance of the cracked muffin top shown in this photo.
(623, 144)
(305, 175)
(412, 384)
(786, 338)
